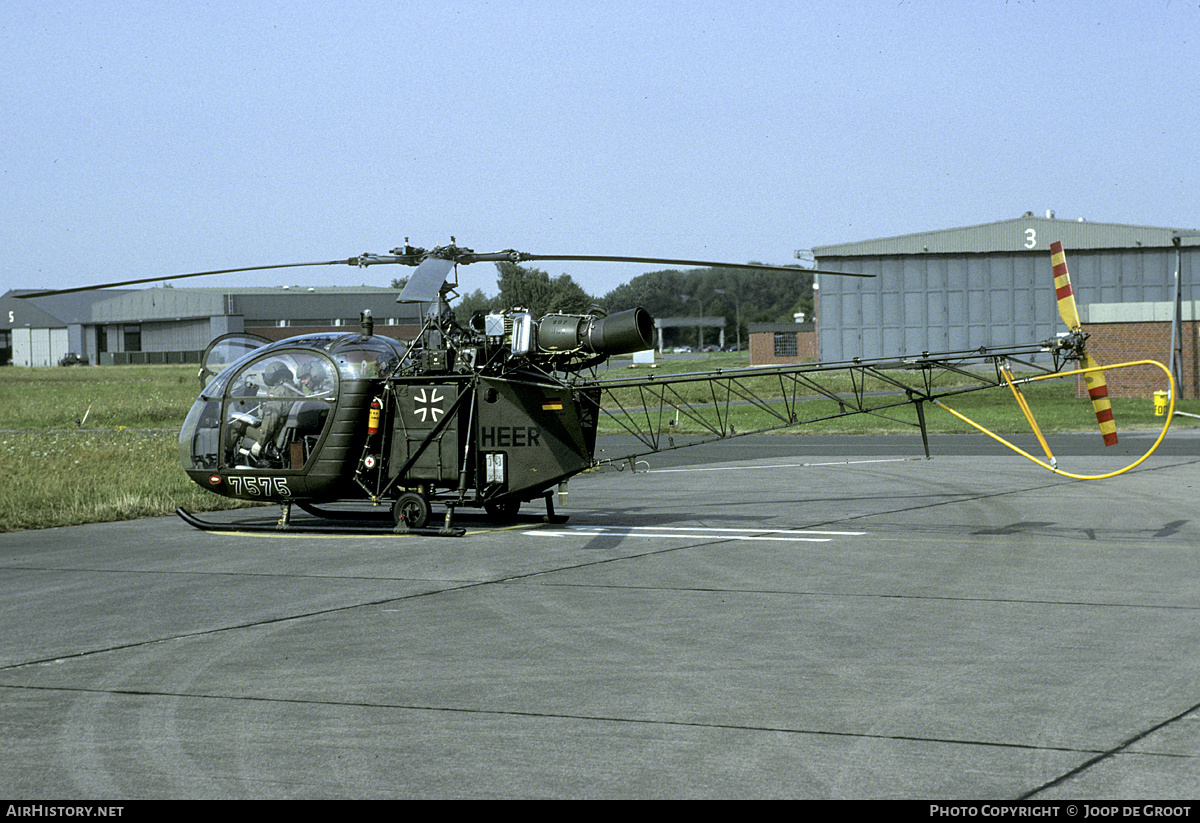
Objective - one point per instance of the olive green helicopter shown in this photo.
(500, 409)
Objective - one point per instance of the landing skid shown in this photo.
(339, 525)
(355, 522)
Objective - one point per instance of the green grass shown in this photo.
(62, 477)
(123, 462)
(137, 397)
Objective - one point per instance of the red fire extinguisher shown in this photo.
(373, 417)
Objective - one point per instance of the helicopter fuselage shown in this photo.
(487, 416)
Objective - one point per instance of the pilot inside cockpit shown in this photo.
(277, 428)
(315, 379)
(280, 381)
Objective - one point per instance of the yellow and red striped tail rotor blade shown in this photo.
(1097, 388)
(1062, 287)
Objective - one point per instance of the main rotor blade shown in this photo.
(453, 254)
(521, 257)
(50, 292)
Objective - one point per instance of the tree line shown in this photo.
(739, 295)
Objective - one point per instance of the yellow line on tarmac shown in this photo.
(342, 536)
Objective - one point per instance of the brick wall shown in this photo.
(762, 348)
(1111, 343)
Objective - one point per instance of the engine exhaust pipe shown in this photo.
(620, 333)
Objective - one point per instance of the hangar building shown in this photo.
(174, 325)
(992, 284)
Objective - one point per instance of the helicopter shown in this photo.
(500, 409)
(488, 413)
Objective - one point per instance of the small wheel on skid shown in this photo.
(412, 511)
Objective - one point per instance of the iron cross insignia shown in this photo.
(429, 407)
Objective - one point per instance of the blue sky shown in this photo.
(148, 138)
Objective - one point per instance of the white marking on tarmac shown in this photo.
(698, 532)
(780, 466)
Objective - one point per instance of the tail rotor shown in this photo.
(1094, 380)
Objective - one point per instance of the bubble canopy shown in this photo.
(355, 357)
(270, 408)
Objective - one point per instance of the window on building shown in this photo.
(785, 344)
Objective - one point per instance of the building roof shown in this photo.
(290, 290)
(781, 328)
(296, 303)
(53, 311)
(275, 303)
(1028, 233)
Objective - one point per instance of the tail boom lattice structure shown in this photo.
(656, 409)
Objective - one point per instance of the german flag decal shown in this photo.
(552, 405)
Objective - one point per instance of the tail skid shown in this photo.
(1051, 463)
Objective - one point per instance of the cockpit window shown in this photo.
(276, 408)
(284, 374)
(269, 409)
(226, 349)
(216, 386)
(365, 358)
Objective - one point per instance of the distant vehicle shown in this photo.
(72, 359)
